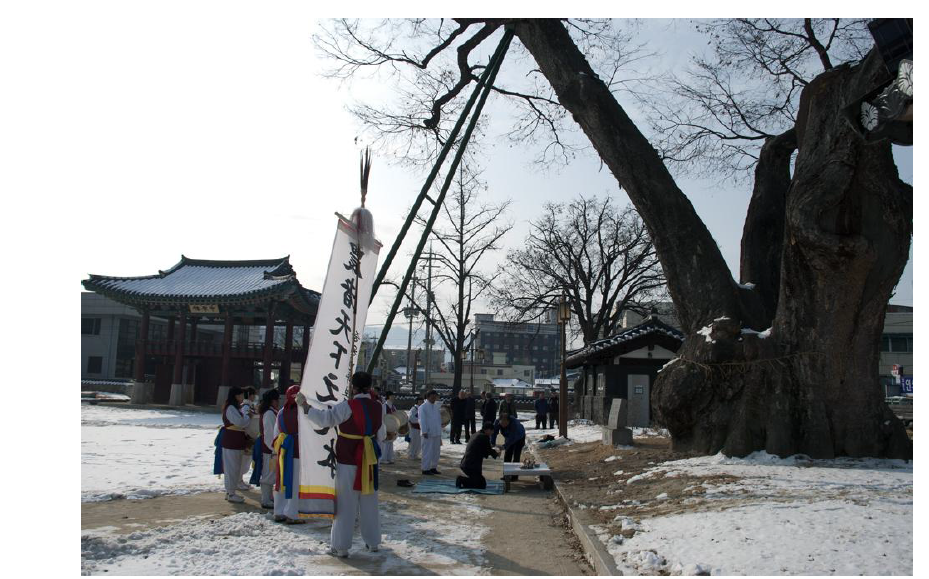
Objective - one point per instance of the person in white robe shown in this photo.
(387, 449)
(356, 493)
(233, 443)
(270, 405)
(430, 422)
(415, 436)
(287, 510)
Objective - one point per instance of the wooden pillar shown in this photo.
(179, 349)
(306, 349)
(288, 349)
(269, 347)
(193, 349)
(170, 328)
(227, 349)
(140, 347)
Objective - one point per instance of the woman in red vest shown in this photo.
(233, 443)
(361, 430)
(286, 446)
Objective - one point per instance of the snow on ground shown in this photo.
(784, 516)
(130, 453)
(251, 544)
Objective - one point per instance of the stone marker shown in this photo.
(615, 433)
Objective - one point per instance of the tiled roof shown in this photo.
(623, 341)
(205, 280)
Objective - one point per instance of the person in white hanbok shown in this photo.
(361, 428)
(430, 422)
(415, 436)
(268, 410)
(387, 449)
(233, 443)
(286, 435)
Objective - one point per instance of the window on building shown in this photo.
(483, 370)
(90, 326)
(640, 390)
(525, 372)
(499, 372)
(898, 344)
(94, 364)
(885, 344)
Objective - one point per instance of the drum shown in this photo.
(446, 416)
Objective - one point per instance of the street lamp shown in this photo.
(564, 316)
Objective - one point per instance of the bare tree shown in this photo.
(842, 222)
(466, 234)
(599, 256)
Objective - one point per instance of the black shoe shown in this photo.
(428, 472)
(434, 471)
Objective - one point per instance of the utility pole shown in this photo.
(411, 313)
(564, 316)
(428, 320)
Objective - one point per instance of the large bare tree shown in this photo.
(788, 362)
(599, 256)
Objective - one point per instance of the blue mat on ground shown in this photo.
(448, 487)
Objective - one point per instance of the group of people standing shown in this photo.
(361, 431)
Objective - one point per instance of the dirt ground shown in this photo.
(527, 530)
(589, 482)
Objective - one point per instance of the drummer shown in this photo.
(387, 448)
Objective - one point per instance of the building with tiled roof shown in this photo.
(234, 298)
(624, 365)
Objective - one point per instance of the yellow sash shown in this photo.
(368, 462)
(280, 459)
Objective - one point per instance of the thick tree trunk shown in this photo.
(811, 386)
(701, 284)
(763, 233)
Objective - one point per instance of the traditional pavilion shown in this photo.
(624, 365)
(199, 292)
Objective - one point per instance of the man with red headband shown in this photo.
(286, 448)
(361, 429)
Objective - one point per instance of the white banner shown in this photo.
(339, 326)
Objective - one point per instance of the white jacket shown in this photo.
(430, 421)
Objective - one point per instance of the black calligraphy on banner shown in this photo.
(331, 388)
(354, 260)
(345, 324)
(337, 355)
(329, 461)
(348, 296)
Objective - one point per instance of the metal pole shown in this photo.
(409, 340)
(428, 320)
(427, 230)
(473, 335)
(563, 390)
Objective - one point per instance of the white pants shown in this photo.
(416, 442)
(232, 465)
(246, 465)
(431, 451)
(267, 478)
(387, 451)
(291, 507)
(348, 506)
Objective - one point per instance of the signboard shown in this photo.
(906, 384)
(204, 308)
(333, 351)
(895, 370)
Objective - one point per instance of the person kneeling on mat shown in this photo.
(472, 462)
